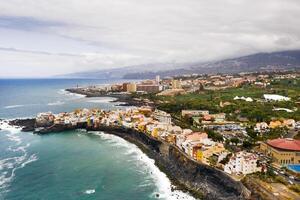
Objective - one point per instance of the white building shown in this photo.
(275, 97)
(248, 99)
(194, 113)
(242, 163)
(157, 79)
(162, 116)
(261, 127)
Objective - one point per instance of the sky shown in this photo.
(41, 38)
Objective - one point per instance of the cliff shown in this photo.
(199, 179)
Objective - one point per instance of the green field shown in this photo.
(256, 111)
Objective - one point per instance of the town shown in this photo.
(246, 124)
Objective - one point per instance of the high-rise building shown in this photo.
(157, 79)
(124, 86)
(131, 87)
(148, 88)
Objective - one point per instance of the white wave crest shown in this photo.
(164, 186)
(90, 191)
(102, 100)
(13, 106)
(64, 92)
(56, 103)
(8, 166)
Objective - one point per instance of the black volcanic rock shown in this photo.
(26, 124)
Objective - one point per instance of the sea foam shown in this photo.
(13, 106)
(90, 191)
(56, 103)
(102, 100)
(164, 186)
(65, 92)
(21, 158)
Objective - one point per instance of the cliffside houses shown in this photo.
(156, 123)
(198, 146)
(45, 119)
(242, 163)
(162, 116)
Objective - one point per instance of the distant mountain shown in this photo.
(256, 62)
(120, 72)
(283, 60)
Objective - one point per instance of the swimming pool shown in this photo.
(295, 168)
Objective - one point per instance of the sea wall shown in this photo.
(200, 179)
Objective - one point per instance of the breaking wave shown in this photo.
(90, 191)
(102, 100)
(13, 106)
(56, 103)
(164, 186)
(74, 95)
(21, 158)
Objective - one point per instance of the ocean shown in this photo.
(73, 164)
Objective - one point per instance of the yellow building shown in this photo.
(275, 124)
(202, 153)
(154, 133)
(284, 151)
(131, 87)
(176, 84)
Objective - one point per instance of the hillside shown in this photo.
(283, 60)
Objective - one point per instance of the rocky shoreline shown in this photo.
(202, 181)
(125, 99)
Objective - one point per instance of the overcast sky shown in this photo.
(47, 37)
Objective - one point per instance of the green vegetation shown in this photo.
(217, 137)
(256, 111)
(295, 188)
(280, 179)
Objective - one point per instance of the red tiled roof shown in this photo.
(285, 144)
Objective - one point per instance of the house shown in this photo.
(219, 118)
(275, 124)
(261, 127)
(194, 113)
(44, 119)
(289, 123)
(242, 163)
(275, 97)
(162, 116)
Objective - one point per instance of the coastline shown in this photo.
(124, 99)
(200, 180)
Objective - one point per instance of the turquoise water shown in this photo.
(74, 164)
(295, 168)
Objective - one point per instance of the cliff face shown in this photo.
(201, 180)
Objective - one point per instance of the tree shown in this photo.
(217, 137)
(247, 144)
(234, 140)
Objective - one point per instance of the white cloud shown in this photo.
(110, 33)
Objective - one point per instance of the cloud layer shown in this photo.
(42, 38)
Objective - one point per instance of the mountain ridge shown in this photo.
(281, 60)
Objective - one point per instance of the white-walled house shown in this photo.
(242, 163)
